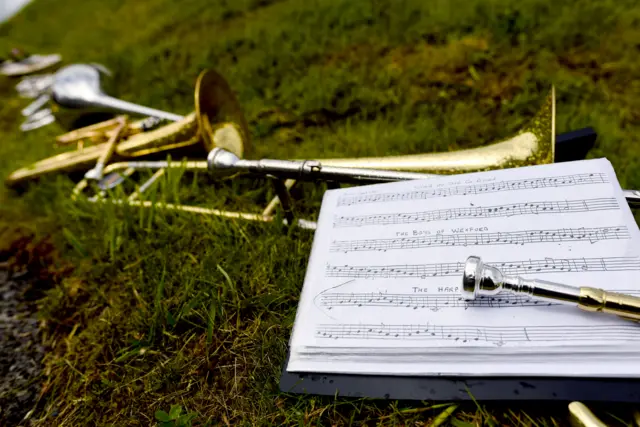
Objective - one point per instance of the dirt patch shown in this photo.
(24, 277)
(21, 351)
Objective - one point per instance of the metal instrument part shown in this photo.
(533, 145)
(36, 105)
(221, 162)
(78, 87)
(99, 132)
(581, 416)
(28, 65)
(97, 171)
(37, 120)
(224, 163)
(116, 173)
(217, 109)
(481, 279)
(34, 86)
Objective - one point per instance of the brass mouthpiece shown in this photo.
(481, 279)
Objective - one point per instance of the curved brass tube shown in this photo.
(217, 121)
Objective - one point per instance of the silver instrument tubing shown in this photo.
(222, 162)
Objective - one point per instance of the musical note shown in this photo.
(546, 265)
(435, 302)
(591, 235)
(464, 190)
(529, 208)
(495, 335)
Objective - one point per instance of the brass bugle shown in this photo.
(216, 121)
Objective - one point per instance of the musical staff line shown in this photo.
(464, 190)
(540, 266)
(498, 211)
(521, 238)
(497, 335)
(433, 302)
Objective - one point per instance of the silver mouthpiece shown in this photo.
(480, 279)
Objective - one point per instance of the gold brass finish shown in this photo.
(220, 116)
(533, 145)
(595, 300)
(581, 416)
(95, 133)
(216, 108)
(218, 121)
(97, 171)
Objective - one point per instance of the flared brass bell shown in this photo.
(216, 121)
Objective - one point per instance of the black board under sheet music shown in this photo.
(461, 389)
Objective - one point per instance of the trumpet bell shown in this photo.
(220, 115)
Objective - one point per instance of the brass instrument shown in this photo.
(217, 121)
(534, 144)
(75, 92)
(77, 88)
(581, 416)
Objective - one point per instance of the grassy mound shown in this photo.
(174, 312)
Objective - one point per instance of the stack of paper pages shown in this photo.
(382, 289)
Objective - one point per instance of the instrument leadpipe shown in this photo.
(221, 162)
(481, 279)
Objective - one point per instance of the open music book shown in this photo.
(382, 289)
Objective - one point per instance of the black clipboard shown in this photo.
(448, 389)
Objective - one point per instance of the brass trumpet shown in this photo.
(219, 122)
(216, 121)
(534, 144)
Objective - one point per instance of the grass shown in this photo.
(150, 311)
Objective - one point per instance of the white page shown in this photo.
(386, 266)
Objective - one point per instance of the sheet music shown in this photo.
(384, 276)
